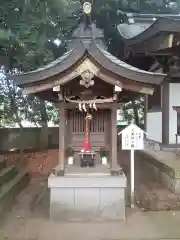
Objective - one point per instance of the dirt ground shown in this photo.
(28, 220)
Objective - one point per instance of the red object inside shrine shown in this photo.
(86, 145)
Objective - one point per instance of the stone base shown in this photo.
(93, 195)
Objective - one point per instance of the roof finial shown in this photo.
(87, 7)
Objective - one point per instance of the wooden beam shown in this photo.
(140, 88)
(145, 113)
(35, 89)
(45, 86)
(154, 44)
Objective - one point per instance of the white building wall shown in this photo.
(154, 126)
(174, 100)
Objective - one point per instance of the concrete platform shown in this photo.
(87, 194)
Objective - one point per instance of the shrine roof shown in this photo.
(112, 63)
(88, 45)
(52, 69)
(81, 32)
(140, 27)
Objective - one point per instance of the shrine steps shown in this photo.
(153, 196)
(12, 181)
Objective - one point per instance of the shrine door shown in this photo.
(99, 129)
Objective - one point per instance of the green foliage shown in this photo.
(103, 152)
(134, 111)
(69, 152)
(28, 29)
(27, 33)
(8, 115)
(28, 108)
(39, 111)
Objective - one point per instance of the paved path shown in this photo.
(28, 219)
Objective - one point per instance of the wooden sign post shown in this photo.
(132, 139)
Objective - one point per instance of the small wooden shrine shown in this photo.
(88, 84)
(152, 42)
(88, 81)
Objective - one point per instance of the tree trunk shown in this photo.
(14, 108)
(44, 128)
(11, 94)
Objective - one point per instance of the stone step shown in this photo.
(10, 190)
(154, 197)
(6, 174)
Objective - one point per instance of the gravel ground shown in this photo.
(28, 219)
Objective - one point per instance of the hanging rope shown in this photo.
(91, 103)
(86, 146)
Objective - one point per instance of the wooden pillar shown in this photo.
(62, 133)
(114, 163)
(145, 112)
(165, 113)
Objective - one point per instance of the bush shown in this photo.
(69, 152)
(103, 152)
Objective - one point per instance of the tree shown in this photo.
(28, 30)
(134, 111)
(12, 94)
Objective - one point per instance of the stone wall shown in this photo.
(10, 138)
(161, 172)
(35, 163)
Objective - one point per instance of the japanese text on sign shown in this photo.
(132, 138)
